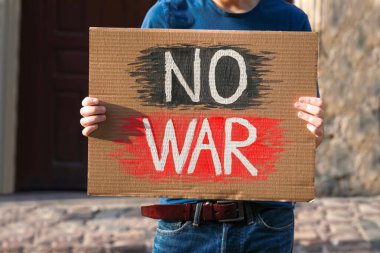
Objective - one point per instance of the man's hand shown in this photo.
(311, 110)
(92, 114)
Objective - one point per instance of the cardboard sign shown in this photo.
(202, 114)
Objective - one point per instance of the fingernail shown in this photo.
(301, 100)
(300, 114)
(296, 104)
(95, 100)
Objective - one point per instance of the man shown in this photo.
(266, 226)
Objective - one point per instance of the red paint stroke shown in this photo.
(134, 155)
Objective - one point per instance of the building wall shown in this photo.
(9, 40)
(348, 162)
(2, 35)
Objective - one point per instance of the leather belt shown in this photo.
(222, 211)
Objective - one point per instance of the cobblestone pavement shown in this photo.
(73, 222)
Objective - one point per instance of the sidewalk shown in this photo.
(73, 222)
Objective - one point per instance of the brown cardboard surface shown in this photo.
(129, 73)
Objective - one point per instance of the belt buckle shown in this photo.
(240, 206)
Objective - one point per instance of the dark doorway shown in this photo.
(51, 153)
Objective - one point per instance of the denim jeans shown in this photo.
(265, 229)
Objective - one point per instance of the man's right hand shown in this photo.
(92, 114)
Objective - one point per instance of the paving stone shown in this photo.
(47, 216)
(324, 232)
(107, 225)
(81, 212)
(111, 228)
(110, 213)
(129, 236)
(344, 238)
(11, 250)
(339, 215)
(93, 239)
(131, 212)
(370, 230)
(122, 248)
(71, 227)
(369, 209)
(306, 232)
(38, 249)
(352, 246)
(340, 228)
(310, 248)
(332, 203)
(138, 222)
(305, 217)
(373, 218)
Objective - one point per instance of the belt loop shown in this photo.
(197, 215)
(249, 213)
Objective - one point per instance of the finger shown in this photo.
(92, 110)
(88, 130)
(311, 109)
(311, 100)
(314, 120)
(317, 131)
(90, 101)
(91, 120)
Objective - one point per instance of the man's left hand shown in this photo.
(311, 110)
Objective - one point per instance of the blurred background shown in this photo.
(43, 157)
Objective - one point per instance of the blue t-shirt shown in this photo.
(268, 15)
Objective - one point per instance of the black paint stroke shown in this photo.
(150, 76)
